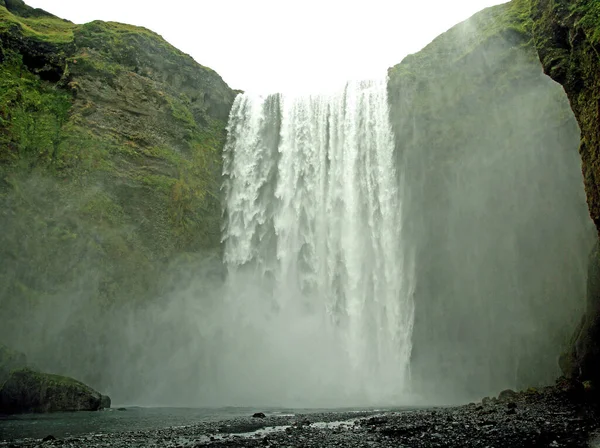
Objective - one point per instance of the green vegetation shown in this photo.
(46, 28)
(588, 18)
(32, 115)
(28, 391)
(508, 22)
(110, 164)
(479, 129)
(567, 37)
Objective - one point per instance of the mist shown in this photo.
(496, 211)
(422, 239)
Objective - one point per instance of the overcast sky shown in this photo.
(284, 45)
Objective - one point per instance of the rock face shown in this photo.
(567, 37)
(110, 167)
(27, 391)
(494, 205)
(105, 402)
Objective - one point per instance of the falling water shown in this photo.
(313, 241)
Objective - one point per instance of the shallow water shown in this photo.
(72, 424)
(65, 424)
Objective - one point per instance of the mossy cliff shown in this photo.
(27, 391)
(110, 164)
(495, 207)
(567, 37)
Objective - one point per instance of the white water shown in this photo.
(319, 276)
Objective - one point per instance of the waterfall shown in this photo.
(313, 240)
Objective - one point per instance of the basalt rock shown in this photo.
(567, 38)
(110, 170)
(105, 402)
(28, 391)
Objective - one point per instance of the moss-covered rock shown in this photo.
(567, 37)
(494, 204)
(110, 165)
(28, 391)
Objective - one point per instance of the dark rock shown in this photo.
(121, 409)
(19, 8)
(105, 402)
(258, 415)
(27, 391)
(569, 54)
(48, 438)
(511, 405)
(502, 76)
(507, 394)
(379, 420)
(302, 422)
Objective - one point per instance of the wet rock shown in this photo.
(507, 394)
(258, 415)
(547, 419)
(48, 438)
(28, 391)
(105, 402)
(302, 422)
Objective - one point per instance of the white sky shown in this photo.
(284, 45)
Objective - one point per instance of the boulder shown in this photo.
(506, 395)
(28, 391)
(105, 402)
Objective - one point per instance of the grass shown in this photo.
(32, 114)
(86, 193)
(509, 21)
(49, 29)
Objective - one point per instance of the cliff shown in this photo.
(495, 207)
(110, 169)
(110, 165)
(567, 37)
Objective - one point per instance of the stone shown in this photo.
(105, 402)
(507, 395)
(28, 391)
(258, 415)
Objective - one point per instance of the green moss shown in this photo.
(588, 18)
(47, 28)
(29, 391)
(181, 112)
(102, 209)
(32, 114)
(110, 148)
(510, 21)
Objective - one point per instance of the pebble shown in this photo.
(547, 419)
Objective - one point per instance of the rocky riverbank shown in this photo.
(551, 417)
